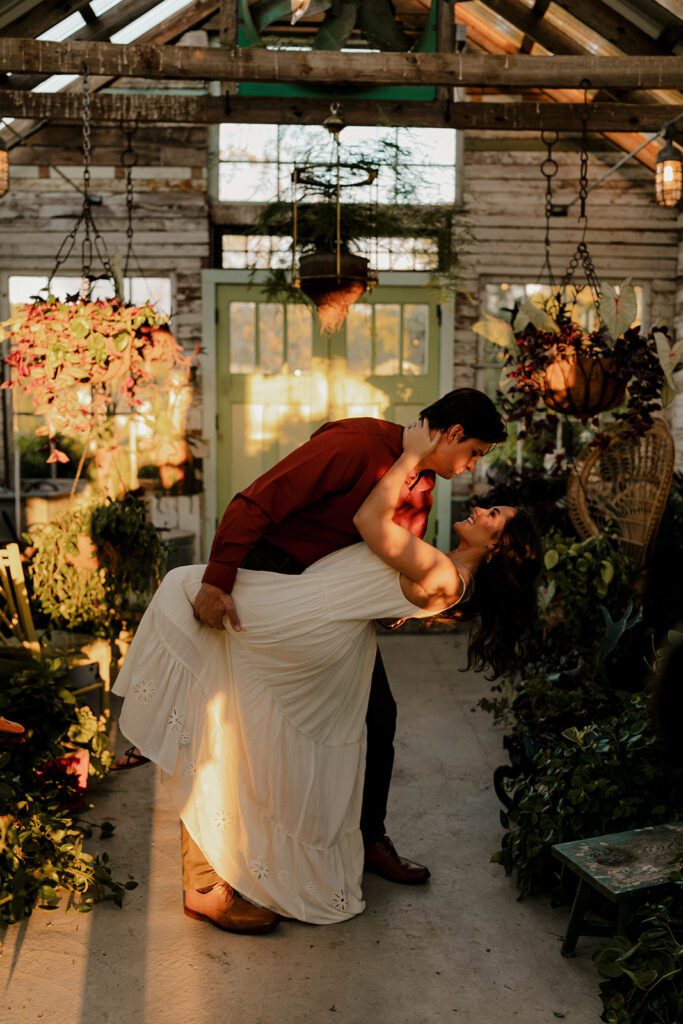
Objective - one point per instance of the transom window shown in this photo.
(266, 252)
(256, 161)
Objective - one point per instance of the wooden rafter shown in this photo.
(228, 22)
(535, 27)
(613, 27)
(43, 16)
(262, 65)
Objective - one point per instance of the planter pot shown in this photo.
(582, 385)
(332, 290)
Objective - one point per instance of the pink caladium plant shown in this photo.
(81, 362)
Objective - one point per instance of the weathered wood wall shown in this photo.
(628, 234)
(170, 213)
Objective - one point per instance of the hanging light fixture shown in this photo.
(328, 274)
(4, 169)
(669, 175)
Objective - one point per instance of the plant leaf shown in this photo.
(619, 309)
(530, 313)
(497, 331)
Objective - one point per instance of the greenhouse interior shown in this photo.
(341, 484)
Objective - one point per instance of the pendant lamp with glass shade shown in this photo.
(669, 175)
(4, 169)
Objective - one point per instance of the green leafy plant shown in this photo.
(644, 972)
(42, 853)
(92, 566)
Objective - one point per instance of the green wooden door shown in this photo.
(279, 378)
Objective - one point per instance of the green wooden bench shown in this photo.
(624, 867)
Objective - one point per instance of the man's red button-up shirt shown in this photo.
(306, 503)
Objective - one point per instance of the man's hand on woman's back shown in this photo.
(212, 604)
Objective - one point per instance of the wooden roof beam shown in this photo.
(262, 65)
(167, 108)
(613, 27)
(533, 26)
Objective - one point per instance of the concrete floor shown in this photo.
(460, 949)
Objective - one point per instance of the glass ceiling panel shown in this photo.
(150, 20)
(54, 83)
(64, 28)
(100, 7)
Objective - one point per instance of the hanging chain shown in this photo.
(129, 159)
(549, 169)
(582, 254)
(92, 239)
(86, 245)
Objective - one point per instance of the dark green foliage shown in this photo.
(644, 972)
(94, 565)
(129, 549)
(41, 845)
(603, 777)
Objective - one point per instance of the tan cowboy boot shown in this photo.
(220, 905)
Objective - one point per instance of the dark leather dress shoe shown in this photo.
(382, 859)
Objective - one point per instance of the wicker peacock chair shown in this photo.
(622, 490)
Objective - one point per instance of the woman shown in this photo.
(260, 733)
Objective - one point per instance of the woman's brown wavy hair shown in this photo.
(504, 598)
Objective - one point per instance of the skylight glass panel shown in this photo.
(63, 29)
(54, 83)
(100, 7)
(150, 20)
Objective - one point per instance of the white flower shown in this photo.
(339, 900)
(191, 769)
(144, 690)
(283, 876)
(222, 818)
(309, 887)
(259, 868)
(175, 720)
(185, 739)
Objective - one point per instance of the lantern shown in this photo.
(669, 175)
(4, 169)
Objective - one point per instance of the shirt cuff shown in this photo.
(220, 574)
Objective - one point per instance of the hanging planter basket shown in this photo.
(83, 361)
(582, 385)
(333, 288)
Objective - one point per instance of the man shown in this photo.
(296, 513)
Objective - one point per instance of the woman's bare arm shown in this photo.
(422, 563)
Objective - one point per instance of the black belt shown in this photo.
(270, 558)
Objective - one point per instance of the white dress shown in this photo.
(260, 733)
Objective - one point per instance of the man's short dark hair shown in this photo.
(472, 409)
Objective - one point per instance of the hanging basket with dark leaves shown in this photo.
(552, 366)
